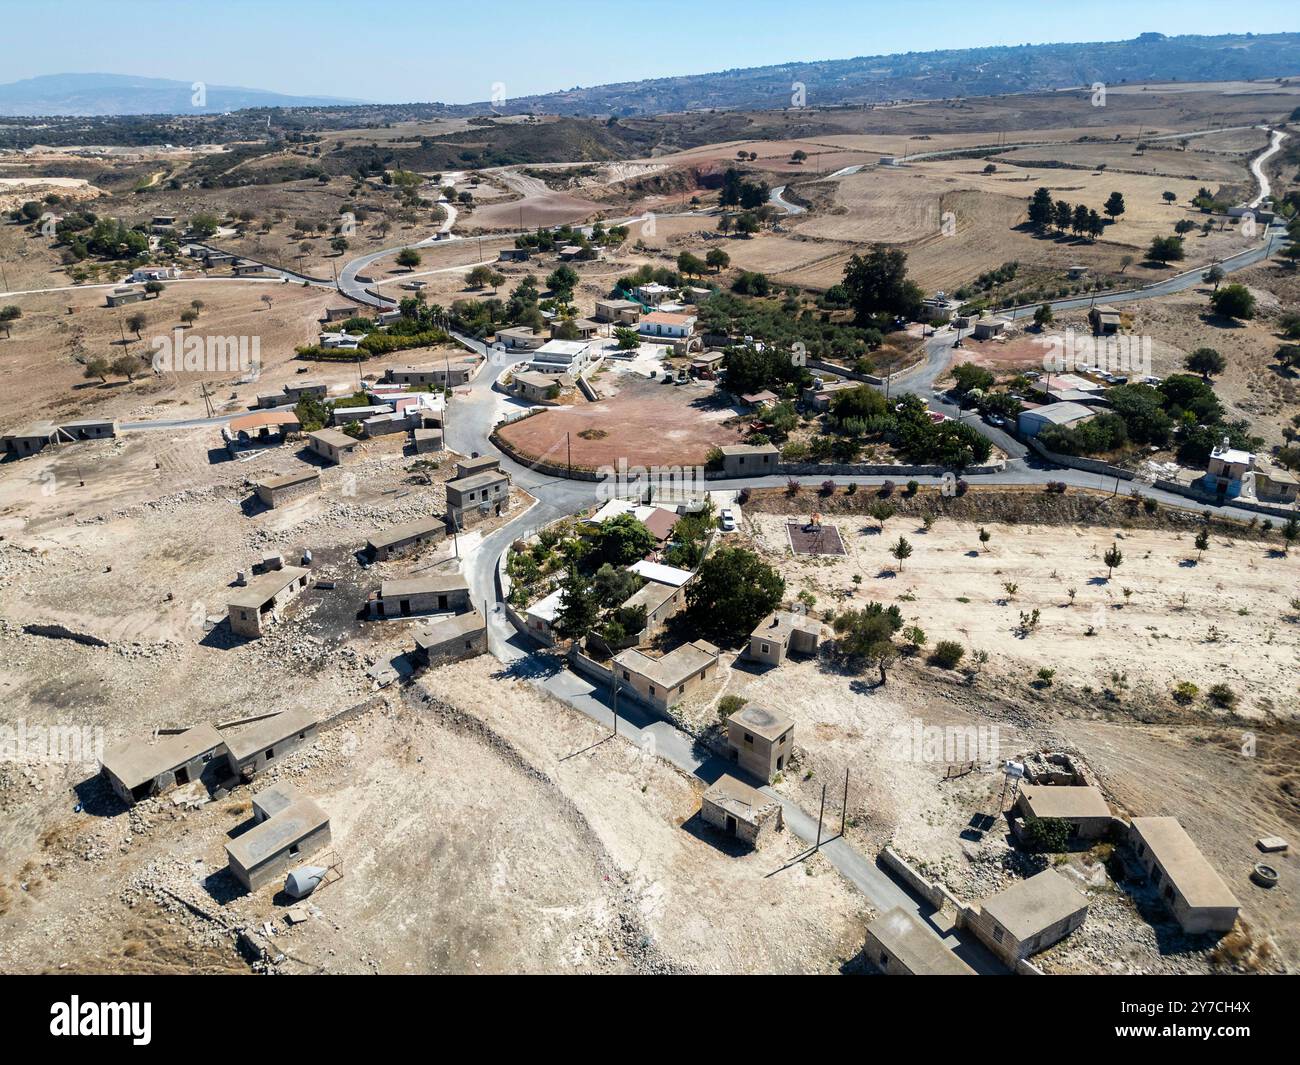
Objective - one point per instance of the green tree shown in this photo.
(1169, 197)
(690, 265)
(126, 366)
(1041, 211)
(9, 314)
(1114, 205)
(1046, 835)
(1166, 250)
(136, 322)
(869, 634)
(1113, 558)
(1233, 301)
(901, 551)
(1043, 316)
(1202, 542)
(561, 281)
(578, 609)
(1206, 362)
(1214, 275)
(409, 258)
(97, 366)
(732, 592)
(877, 284)
(968, 376)
(717, 259)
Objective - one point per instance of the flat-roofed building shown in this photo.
(660, 602)
(899, 944)
(272, 799)
(761, 740)
(137, 769)
(267, 850)
(657, 571)
(451, 639)
(87, 429)
(405, 537)
(438, 593)
(477, 496)
(1083, 808)
(121, 296)
(1196, 895)
(258, 603)
(477, 464)
(667, 324)
(618, 312)
(733, 807)
(450, 373)
(426, 441)
(540, 617)
(560, 356)
(820, 397)
(574, 329)
(1104, 321)
(1063, 415)
(334, 445)
(783, 632)
(538, 387)
(520, 337)
(252, 748)
(346, 415)
(749, 460)
(660, 682)
(1029, 916)
(30, 439)
(274, 491)
(987, 328)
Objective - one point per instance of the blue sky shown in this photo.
(400, 51)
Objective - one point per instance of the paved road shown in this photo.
(777, 198)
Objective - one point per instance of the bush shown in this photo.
(1185, 693)
(1046, 834)
(1222, 696)
(729, 704)
(947, 654)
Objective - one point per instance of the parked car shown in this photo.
(996, 420)
(728, 518)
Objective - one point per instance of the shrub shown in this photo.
(729, 704)
(947, 654)
(1046, 834)
(1185, 693)
(1222, 696)
(962, 487)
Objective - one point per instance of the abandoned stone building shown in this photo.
(438, 593)
(333, 445)
(478, 492)
(264, 853)
(137, 769)
(1084, 809)
(276, 491)
(899, 944)
(733, 807)
(761, 741)
(400, 538)
(254, 747)
(1029, 916)
(271, 800)
(258, 603)
(451, 639)
(1195, 894)
(660, 682)
(779, 634)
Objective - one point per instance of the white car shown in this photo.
(728, 520)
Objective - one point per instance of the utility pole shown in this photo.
(614, 670)
(820, 812)
(844, 810)
(568, 443)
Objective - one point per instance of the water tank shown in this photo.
(302, 881)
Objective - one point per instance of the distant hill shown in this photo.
(96, 95)
(935, 75)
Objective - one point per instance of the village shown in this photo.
(507, 597)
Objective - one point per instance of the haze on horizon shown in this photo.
(421, 53)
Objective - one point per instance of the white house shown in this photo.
(666, 324)
(560, 356)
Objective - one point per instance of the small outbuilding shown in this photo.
(1029, 916)
(1083, 808)
(733, 807)
(266, 851)
(334, 445)
(259, 601)
(405, 537)
(899, 944)
(253, 747)
(137, 769)
(783, 632)
(275, 491)
(749, 460)
(761, 740)
(451, 639)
